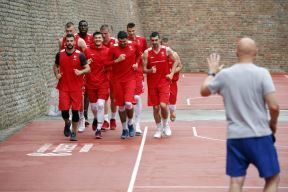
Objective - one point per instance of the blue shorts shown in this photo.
(260, 151)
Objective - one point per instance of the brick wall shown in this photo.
(29, 33)
(197, 28)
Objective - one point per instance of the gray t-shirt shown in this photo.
(243, 87)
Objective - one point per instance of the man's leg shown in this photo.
(122, 115)
(164, 115)
(100, 117)
(236, 184)
(157, 118)
(86, 106)
(138, 111)
(65, 116)
(271, 183)
(113, 108)
(75, 122)
(130, 112)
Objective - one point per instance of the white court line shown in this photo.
(86, 148)
(183, 75)
(209, 138)
(196, 98)
(197, 187)
(213, 139)
(137, 163)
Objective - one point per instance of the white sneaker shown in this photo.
(167, 130)
(138, 130)
(81, 125)
(158, 133)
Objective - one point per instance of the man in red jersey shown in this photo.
(88, 38)
(79, 42)
(142, 44)
(108, 42)
(155, 64)
(173, 85)
(97, 84)
(125, 56)
(69, 67)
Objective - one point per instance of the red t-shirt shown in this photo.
(111, 42)
(97, 75)
(63, 45)
(67, 63)
(88, 39)
(123, 70)
(142, 44)
(160, 60)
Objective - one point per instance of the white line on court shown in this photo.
(44, 148)
(196, 98)
(137, 163)
(198, 187)
(86, 148)
(208, 138)
(183, 75)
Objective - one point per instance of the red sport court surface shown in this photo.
(40, 158)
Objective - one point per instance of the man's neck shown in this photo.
(82, 34)
(70, 51)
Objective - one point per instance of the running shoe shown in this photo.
(138, 130)
(81, 125)
(98, 134)
(125, 134)
(105, 126)
(67, 131)
(73, 136)
(167, 130)
(158, 133)
(112, 124)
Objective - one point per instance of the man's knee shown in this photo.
(75, 115)
(121, 108)
(128, 105)
(65, 114)
(100, 104)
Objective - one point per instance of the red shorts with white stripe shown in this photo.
(139, 84)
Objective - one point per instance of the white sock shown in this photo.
(124, 125)
(81, 114)
(159, 126)
(100, 112)
(130, 121)
(172, 107)
(106, 117)
(165, 122)
(138, 108)
(113, 115)
(94, 109)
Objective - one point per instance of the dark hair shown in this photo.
(70, 35)
(155, 34)
(82, 21)
(97, 33)
(69, 24)
(130, 25)
(122, 35)
(164, 39)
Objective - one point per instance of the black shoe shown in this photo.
(98, 134)
(73, 137)
(67, 131)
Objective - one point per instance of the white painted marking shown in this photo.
(198, 187)
(49, 154)
(64, 148)
(195, 132)
(86, 148)
(196, 98)
(183, 75)
(137, 163)
(44, 148)
(188, 102)
(286, 76)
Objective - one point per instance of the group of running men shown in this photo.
(93, 68)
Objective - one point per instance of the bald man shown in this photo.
(247, 89)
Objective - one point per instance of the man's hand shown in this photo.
(78, 72)
(89, 61)
(169, 76)
(120, 58)
(153, 69)
(58, 76)
(135, 66)
(273, 126)
(213, 63)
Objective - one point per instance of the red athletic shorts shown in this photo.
(68, 99)
(159, 94)
(102, 92)
(173, 93)
(139, 84)
(124, 92)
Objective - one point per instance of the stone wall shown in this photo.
(198, 28)
(29, 33)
